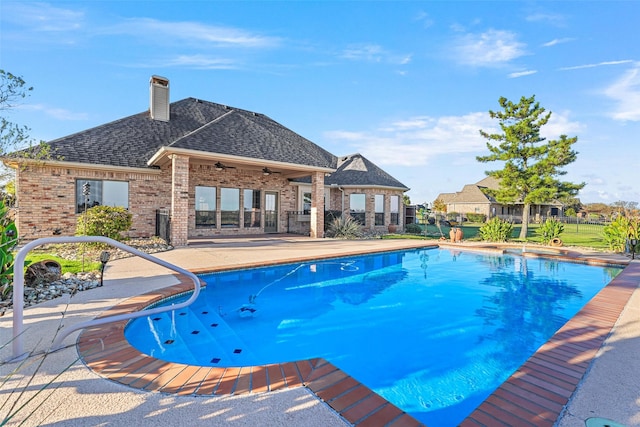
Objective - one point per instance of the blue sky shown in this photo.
(408, 84)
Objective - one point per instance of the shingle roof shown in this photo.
(489, 182)
(471, 193)
(357, 170)
(194, 124)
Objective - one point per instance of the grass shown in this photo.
(585, 236)
(68, 266)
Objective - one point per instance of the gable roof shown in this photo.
(489, 182)
(470, 193)
(475, 193)
(355, 170)
(194, 125)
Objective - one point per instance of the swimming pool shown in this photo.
(432, 331)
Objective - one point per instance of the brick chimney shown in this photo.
(159, 103)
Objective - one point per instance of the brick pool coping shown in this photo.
(534, 395)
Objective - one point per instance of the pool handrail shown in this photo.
(18, 291)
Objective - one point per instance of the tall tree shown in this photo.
(532, 165)
(12, 89)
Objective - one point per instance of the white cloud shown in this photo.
(489, 49)
(560, 124)
(56, 113)
(201, 62)
(193, 33)
(598, 64)
(522, 74)
(42, 16)
(374, 53)
(416, 141)
(421, 140)
(364, 52)
(551, 18)
(626, 93)
(557, 41)
(425, 19)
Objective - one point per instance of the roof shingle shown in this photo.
(194, 124)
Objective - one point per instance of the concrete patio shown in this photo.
(610, 389)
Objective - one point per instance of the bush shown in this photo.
(617, 233)
(413, 229)
(104, 221)
(477, 217)
(496, 230)
(550, 229)
(345, 228)
(8, 240)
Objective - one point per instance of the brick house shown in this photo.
(474, 199)
(214, 170)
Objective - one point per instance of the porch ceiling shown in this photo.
(287, 170)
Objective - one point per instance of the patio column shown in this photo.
(317, 205)
(179, 200)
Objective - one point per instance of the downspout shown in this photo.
(342, 199)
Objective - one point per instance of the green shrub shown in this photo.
(620, 229)
(413, 229)
(452, 216)
(550, 229)
(104, 221)
(477, 217)
(496, 230)
(345, 228)
(8, 240)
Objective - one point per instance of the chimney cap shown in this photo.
(155, 79)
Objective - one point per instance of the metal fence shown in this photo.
(571, 223)
(163, 225)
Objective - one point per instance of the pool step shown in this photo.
(215, 339)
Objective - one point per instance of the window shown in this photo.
(357, 203)
(306, 203)
(229, 207)
(251, 208)
(379, 209)
(395, 209)
(98, 192)
(206, 207)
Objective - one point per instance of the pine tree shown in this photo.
(532, 165)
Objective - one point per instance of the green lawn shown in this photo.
(68, 266)
(587, 236)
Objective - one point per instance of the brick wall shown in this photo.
(336, 203)
(47, 199)
(207, 175)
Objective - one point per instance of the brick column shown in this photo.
(179, 200)
(317, 205)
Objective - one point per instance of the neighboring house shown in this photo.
(213, 169)
(474, 199)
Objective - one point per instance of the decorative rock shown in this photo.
(54, 285)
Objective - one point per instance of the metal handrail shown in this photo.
(18, 291)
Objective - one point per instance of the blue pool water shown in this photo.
(433, 331)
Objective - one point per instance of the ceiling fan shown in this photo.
(266, 171)
(220, 167)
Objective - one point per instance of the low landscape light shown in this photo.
(633, 242)
(104, 258)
